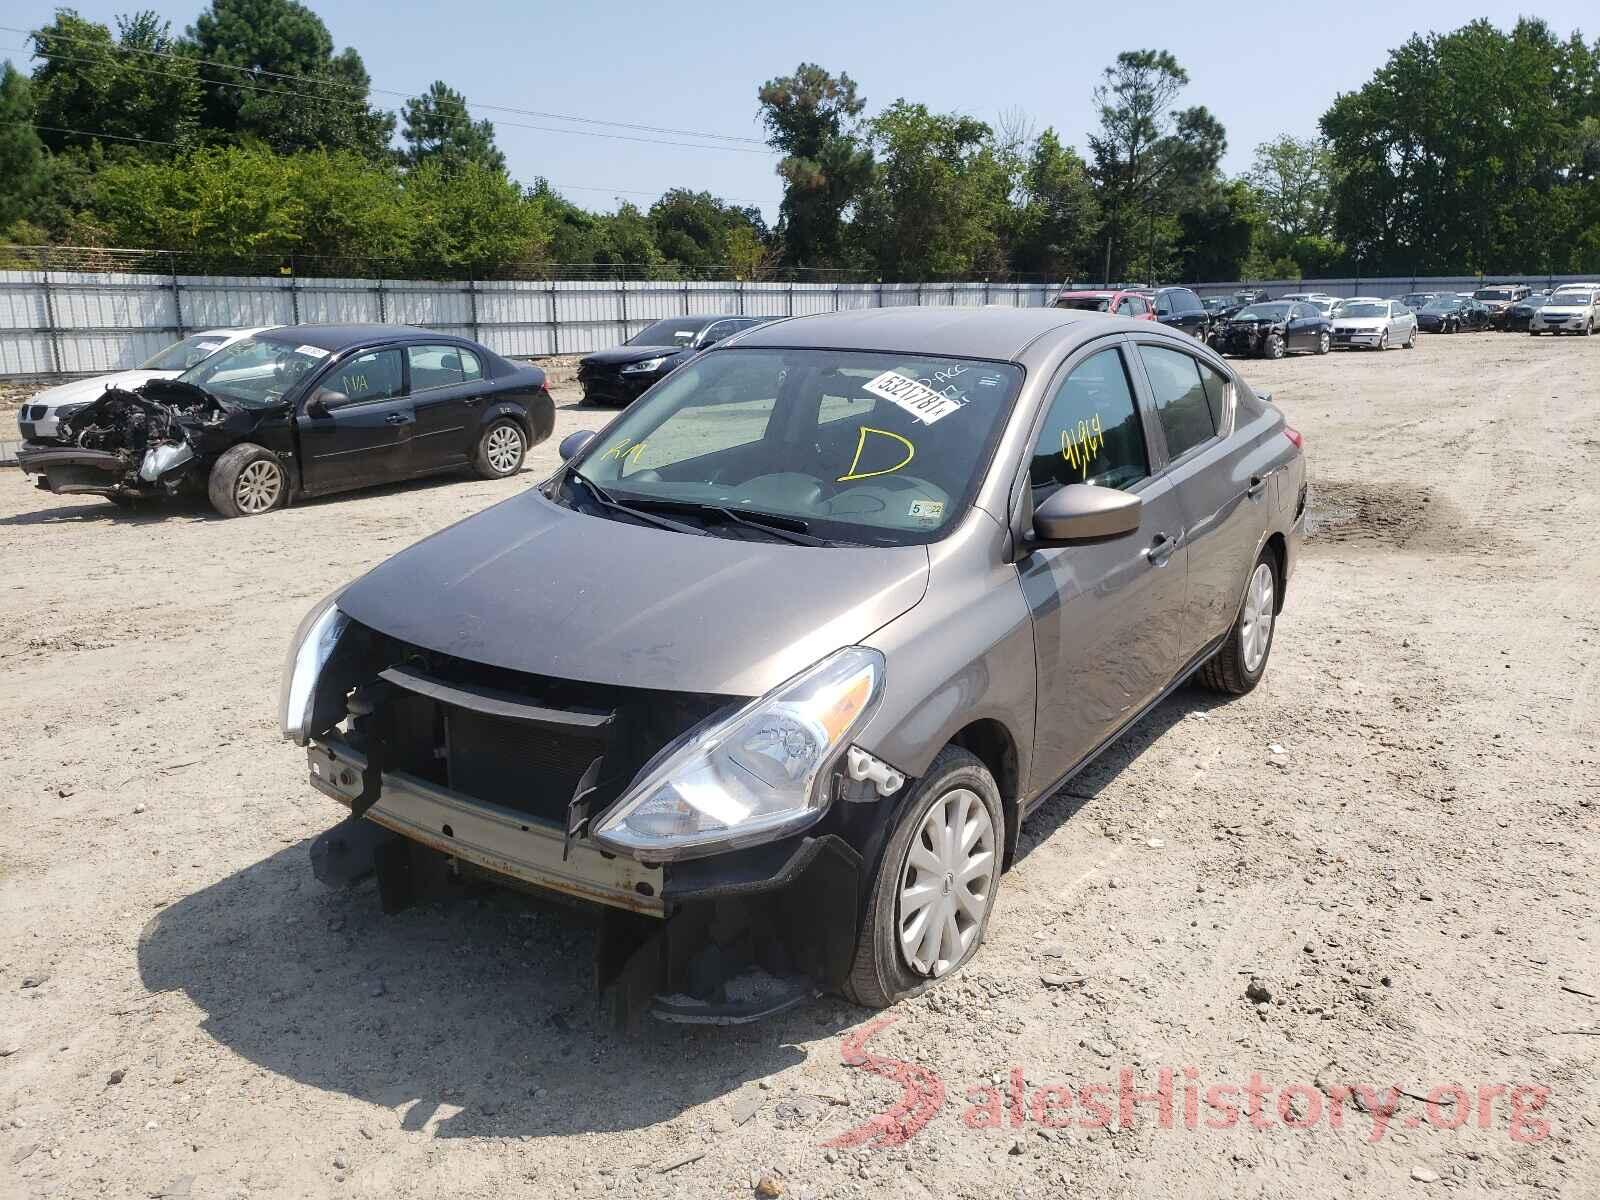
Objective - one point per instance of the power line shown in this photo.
(325, 82)
(570, 187)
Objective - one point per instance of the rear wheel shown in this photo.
(930, 900)
(500, 450)
(1411, 339)
(1241, 661)
(246, 481)
(1324, 343)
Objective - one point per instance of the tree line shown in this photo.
(251, 138)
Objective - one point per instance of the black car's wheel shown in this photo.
(1241, 661)
(501, 450)
(1324, 343)
(930, 900)
(1273, 346)
(246, 481)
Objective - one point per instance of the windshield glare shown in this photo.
(1494, 294)
(180, 356)
(1364, 310)
(1263, 312)
(675, 331)
(1442, 305)
(254, 372)
(861, 446)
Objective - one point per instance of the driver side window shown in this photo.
(375, 375)
(1092, 433)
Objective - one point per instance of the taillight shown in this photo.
(1293, 435)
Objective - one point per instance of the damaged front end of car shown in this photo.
(719, 839)
(148, 442)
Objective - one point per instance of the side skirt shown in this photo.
(1178, 681)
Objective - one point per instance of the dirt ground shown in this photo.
(1393, 844)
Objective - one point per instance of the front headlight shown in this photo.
(308, 653)
(751, 777)
(645, 367)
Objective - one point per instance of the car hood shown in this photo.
(82, 391)
(1565, 308)
(534, 587)
(619, 356)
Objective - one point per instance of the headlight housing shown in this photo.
(645, 367)
(309, 652)
(757, 775)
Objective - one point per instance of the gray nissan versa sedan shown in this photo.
(772, 669)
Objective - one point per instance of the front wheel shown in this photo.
(935, 886)
(1241, 661)
(246, 481)
(1274, 346)
(1588, 329)
(500, 450)
(1383, 341)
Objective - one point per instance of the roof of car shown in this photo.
(340, 337)
(993, 332)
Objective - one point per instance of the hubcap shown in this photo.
(1255, 631)
(946, 883)
(259, 486)
(504, 448)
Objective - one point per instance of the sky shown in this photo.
(1261, 71)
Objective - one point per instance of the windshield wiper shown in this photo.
(788, 529)
(603, 498)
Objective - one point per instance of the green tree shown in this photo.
(120, 91)
(22, 162)
(1293, 178)
(939, 198)
(696, 230)
(1058, 213)
(472, 218)
(814, 119)
(282, 83)
(437, 127)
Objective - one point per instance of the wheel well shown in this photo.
(992, 743)
(1279, 549)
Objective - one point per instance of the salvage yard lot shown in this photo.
(1395, 839)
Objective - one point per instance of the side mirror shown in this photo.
(572, 445)
(1083, 512)
(323, 400)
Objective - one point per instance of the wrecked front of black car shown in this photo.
(157, 440)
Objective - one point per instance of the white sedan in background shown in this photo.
(1569, 310)
(41, 413)
(1373, 322)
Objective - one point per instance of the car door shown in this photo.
(355, 425)
(1220, 481)
(1106, 615)
(446, 388)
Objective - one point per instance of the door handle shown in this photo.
(1160, 549)
(1257, 486)
(474, 400)
(395, 419)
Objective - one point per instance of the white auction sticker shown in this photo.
(918, 399)
(311, 351)
(928, 510)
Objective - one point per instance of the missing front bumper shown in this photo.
(499, 840)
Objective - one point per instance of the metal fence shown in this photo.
(59, 323)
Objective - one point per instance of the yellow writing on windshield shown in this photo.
(1081, 442)
(861, 444)
(626, 450)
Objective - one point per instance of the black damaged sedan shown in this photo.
(302, 410)
(1274, 329)
(622, 374)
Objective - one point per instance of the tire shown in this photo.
(1273, 347)
(247, 481)
(501, 449)
(1383, 342)
(1229, 669)
(1411, 342)
(1588, 330)
(1324, 343)
(882, 973)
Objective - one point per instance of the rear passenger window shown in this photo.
(471, 368)
(1092, 433)
(1180, 398)
(1218, 391)
(434, 366)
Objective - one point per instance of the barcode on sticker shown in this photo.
(918, 399)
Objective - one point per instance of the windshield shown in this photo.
(1494, 294)
(859, 446)
(1572, 299)
(254, 372)
(1350, 311)
(1442, 304)
(1416, 299)
(180, 356)
(675, 331)
(1087, 303)
(1263, 312)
